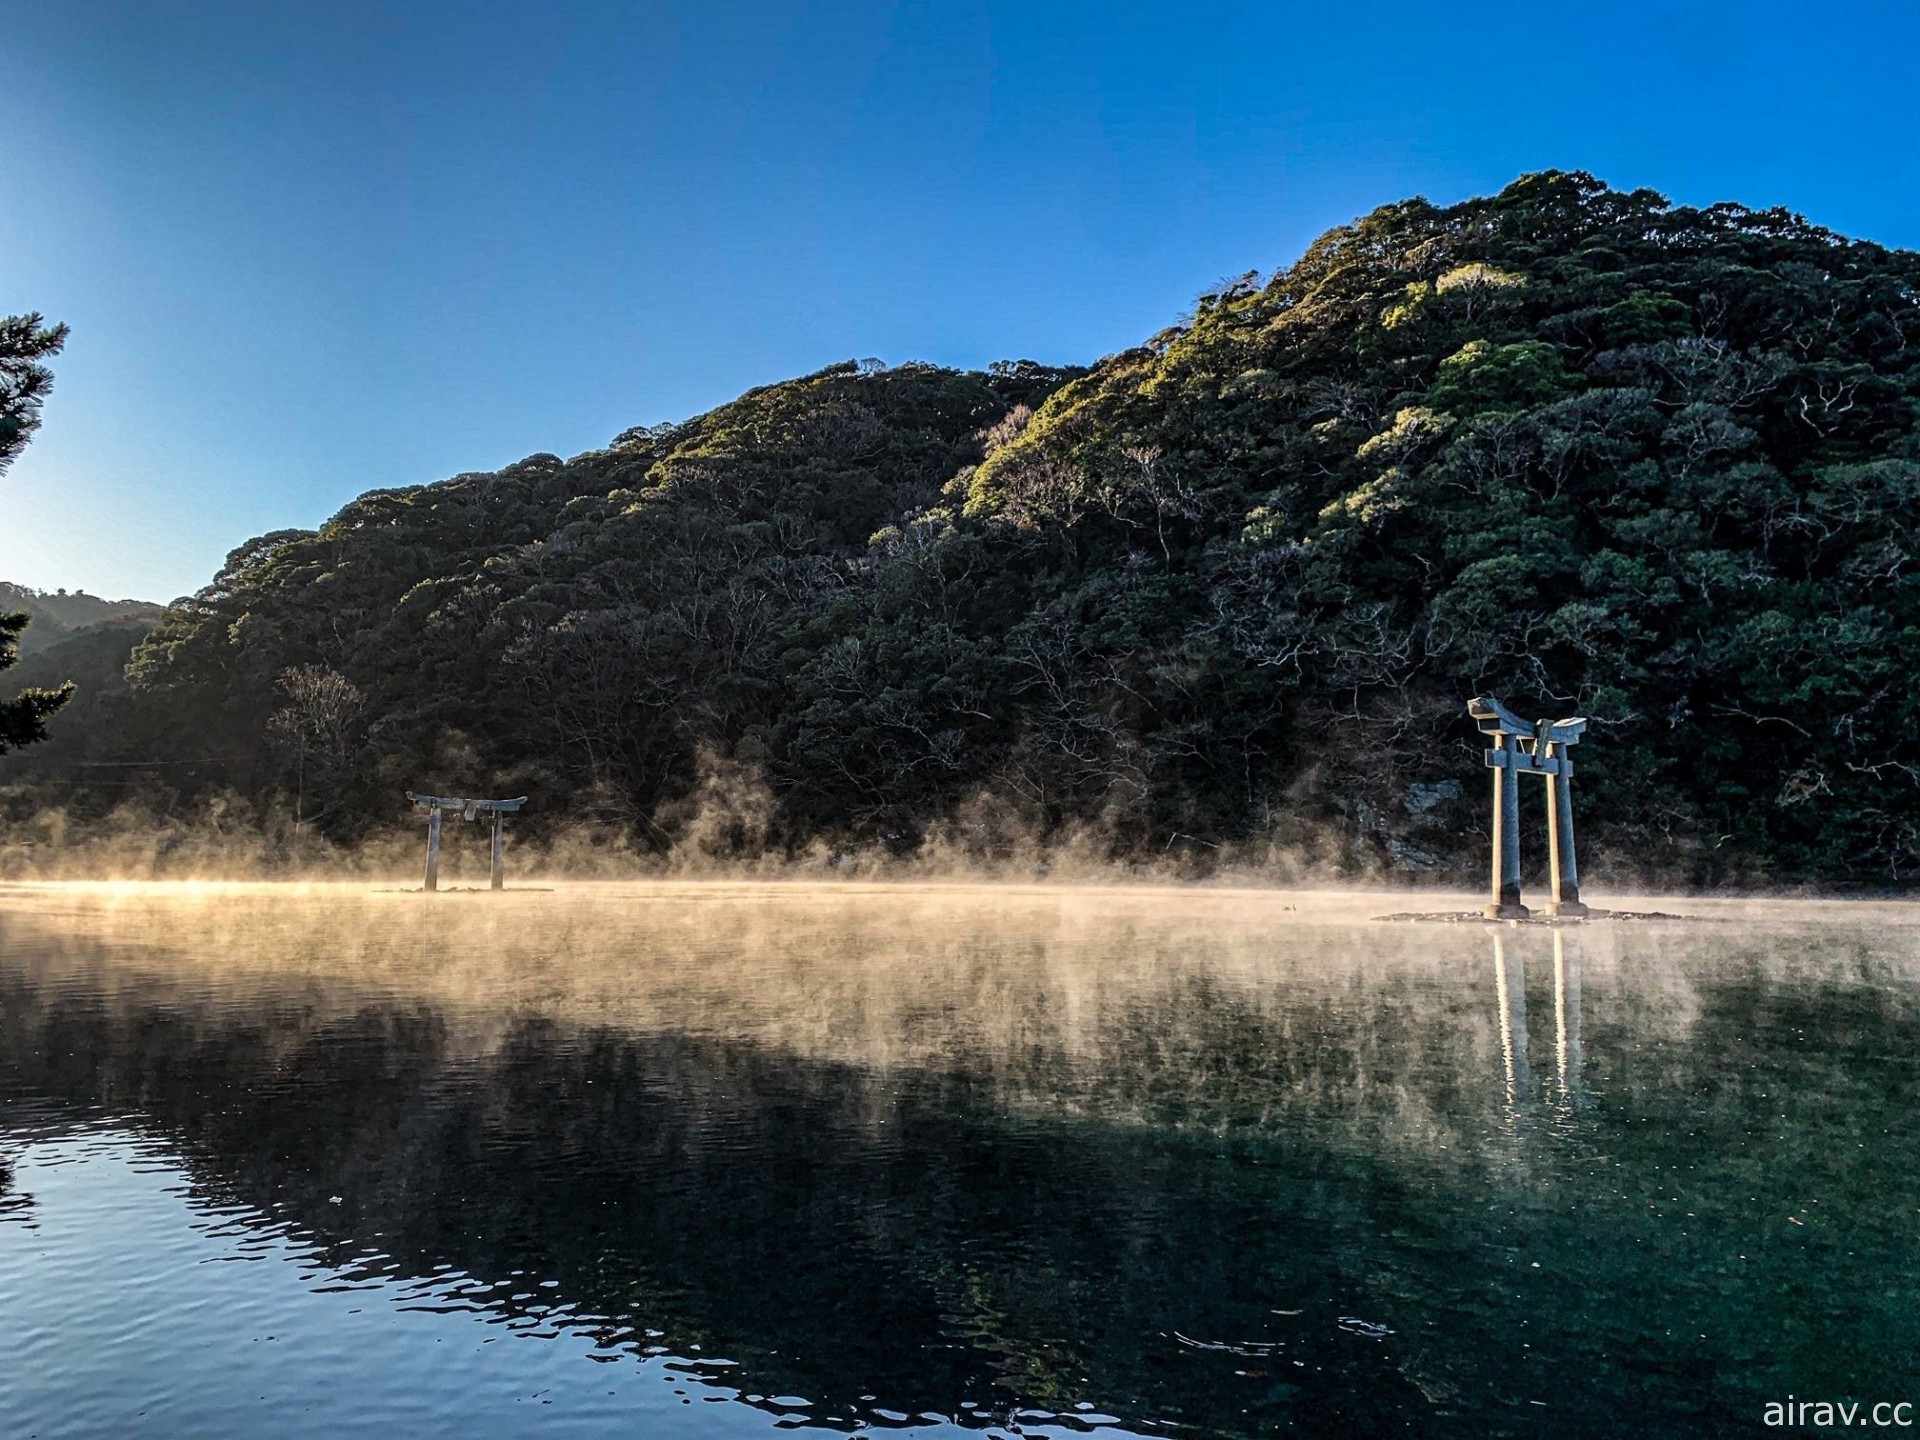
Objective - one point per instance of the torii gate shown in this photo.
(1538, 748)
(437, 805)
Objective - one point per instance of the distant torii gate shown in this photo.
(437, 805)
(1538, 748)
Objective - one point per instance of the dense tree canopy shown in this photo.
(23, 719)
(25, 341)
(1223, 592)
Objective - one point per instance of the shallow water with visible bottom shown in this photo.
(725, 1159)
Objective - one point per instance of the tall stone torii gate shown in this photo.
(438, 805)
(1535, 748)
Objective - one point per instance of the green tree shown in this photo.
(23, 719)
(25, 341)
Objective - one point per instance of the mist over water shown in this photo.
(727, 1157)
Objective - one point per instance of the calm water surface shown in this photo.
(724, 1160)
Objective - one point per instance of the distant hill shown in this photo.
(60, 614)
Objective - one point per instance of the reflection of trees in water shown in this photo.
(15, 1205)
(1013, 1179)
(1107, 1006)
(838, 1232)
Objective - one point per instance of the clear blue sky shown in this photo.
(308, 250)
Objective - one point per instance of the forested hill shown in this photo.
(1222, 594)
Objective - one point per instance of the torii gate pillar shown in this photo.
(1562, 864)
(433, 848)
(1505, 759)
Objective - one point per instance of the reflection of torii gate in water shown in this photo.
(1538, 749)
(437, 805)
(1510, 990)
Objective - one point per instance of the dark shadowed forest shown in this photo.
(1216, 599)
